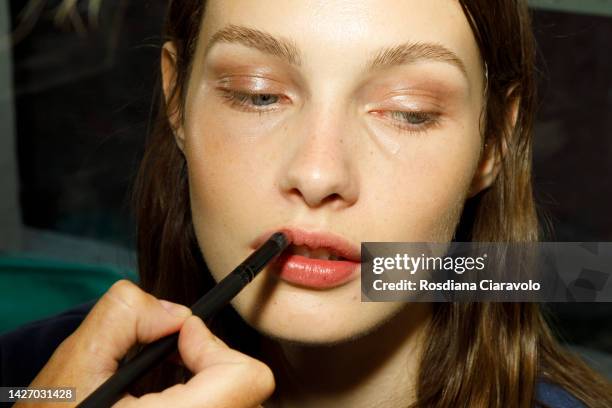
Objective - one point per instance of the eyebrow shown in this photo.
(406, 53)
(260, 40)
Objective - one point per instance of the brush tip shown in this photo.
(282, 239)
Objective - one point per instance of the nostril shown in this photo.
(331, 198)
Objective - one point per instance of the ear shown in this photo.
(493, 154)
(168, 71)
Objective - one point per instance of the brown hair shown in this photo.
(479, 354)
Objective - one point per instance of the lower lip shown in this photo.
(315, 273)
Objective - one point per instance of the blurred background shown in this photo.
(76, 87)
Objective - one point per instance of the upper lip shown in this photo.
(316, 239)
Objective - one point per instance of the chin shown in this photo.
(306, 336)
(321, 323)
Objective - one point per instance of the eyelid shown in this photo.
(256, 84)
(252, 83)
(414, 102)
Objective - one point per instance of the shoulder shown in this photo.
(24, 351)
(554, 396)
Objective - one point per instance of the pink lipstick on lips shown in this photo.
(317, 260)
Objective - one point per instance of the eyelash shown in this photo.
(425, 120)
(238, 100)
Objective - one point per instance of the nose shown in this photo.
(321, 168)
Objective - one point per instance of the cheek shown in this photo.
(219, 175)
(229, 177)
(427, 185)
(226, 151)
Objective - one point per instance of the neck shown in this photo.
(378, 369)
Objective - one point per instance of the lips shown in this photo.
(317, 260)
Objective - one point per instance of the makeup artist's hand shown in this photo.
(126, 315)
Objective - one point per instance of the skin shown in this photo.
(333, 153)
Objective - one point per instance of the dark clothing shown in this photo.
(24, 351)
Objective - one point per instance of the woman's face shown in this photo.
(364, 124)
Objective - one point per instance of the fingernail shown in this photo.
(175, 309)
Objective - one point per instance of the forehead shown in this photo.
(340, 34)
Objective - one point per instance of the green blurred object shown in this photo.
(33, 288)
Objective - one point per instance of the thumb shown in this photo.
(223, 377)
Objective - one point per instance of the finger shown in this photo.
(124, 316)
(201, 349)
(224, 377)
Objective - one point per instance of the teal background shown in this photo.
(32, 288)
